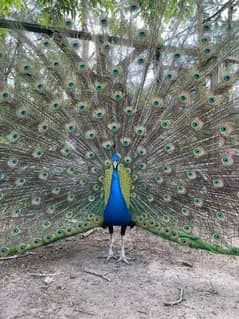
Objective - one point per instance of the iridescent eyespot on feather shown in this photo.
(205, 39)
(187, 228)
(116, 71)
(213, 100)
(117, 96)
(141, 151)
(91, 198)
(83, 181)
(40, 86)
(43, 127)
(4, 251)
(12, 162)
(70, 127)
(169, 76)
(216, 236)
(56, 190)
(127, 160)
(20, 181)
(98, 113)
(206, 51)
(166, 169)
(140, 60)
(199, 152)
(191, 174)
(68, 23)
(21, 248)
(36, 201)
(69, 214)
(70, 197)
(141, 34)
(220, 215)
(17, 212)
(46, 44)
(185, 211)
(90, 134)
(184, 241)
(55, 106)
(156, 102)
(165, 123)
(59, 232)
(166, 219)
(150, 198)
(181, 189)
(129, 111)
(66, 150)
(159, 179)
(140, 130)
(206, 27)
(217, 182)
(142, 166)
(96, 188)
(98, 87)
(107, 145)
(228, 78)
(82, 107)
(196, 124)
(227, 160)
(56, 64)
(13, 137)
(22, 112)
(90, 155)
(133, 6)
(26, 68)
(71, 84)
(75, 45)
(5, 95)
(225, 129)
(38, 153)
(113, 127)
(51, 208)
(166, 197)
(183, 98)
(169, 148)
(197, 202)
(82, 66)
(107, 46)
(46, 223)
(43, 175)
(104, 22)
(125, 141)
(176, 56)
(196, 76)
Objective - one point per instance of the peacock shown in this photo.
(119, 123)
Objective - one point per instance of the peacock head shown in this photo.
(115, 159)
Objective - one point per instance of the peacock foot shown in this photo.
(124, 259)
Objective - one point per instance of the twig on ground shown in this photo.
(173, 303)
(97, 274)
(44, 275)
(84, 312)
(16, 256)
(88, 233)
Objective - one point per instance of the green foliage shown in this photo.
(5, 5)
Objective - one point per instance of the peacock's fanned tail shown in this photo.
(163, 97)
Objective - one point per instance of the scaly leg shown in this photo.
(110, 252)
(122, 257)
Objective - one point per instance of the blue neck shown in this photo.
(116, 211)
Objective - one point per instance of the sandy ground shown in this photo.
(70, 280)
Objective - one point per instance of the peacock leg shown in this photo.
(122, 257)
(110, 252)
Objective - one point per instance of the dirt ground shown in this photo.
(69, 279)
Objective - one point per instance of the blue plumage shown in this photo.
(116, 211)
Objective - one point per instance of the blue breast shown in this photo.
(116, 211)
